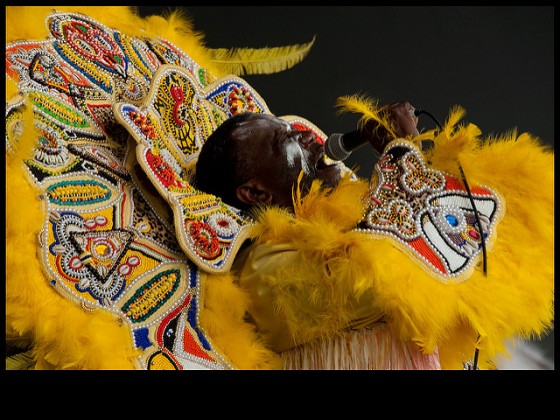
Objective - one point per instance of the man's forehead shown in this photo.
(261, 121)
(266, 119)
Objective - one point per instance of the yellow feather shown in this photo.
(368, 107)
(371, 110)
(267, 60)
(20, 361)
(455, 115)
(225, 306)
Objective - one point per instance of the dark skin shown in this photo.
(285, 152)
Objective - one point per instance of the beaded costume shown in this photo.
(117, 262)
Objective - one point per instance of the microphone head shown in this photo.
(334, 148)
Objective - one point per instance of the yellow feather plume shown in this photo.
(371, 110)
(368, 107)
(267, 60)
(225, 306)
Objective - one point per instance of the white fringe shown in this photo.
(366, 349)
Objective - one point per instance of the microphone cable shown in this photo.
(418, 112)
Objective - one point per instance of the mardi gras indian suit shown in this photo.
(115, 261)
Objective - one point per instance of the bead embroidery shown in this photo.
(107, 241)
(170, 128)
(429, 212)
(103, 242)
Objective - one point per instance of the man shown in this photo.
(255, 160)
(342, 273)
(329, 293)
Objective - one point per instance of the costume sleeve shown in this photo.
(304, 275)
(287, 319)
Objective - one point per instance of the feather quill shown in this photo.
(266, 60)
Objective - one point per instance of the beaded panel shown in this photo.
(170, 126)
(429, 212)
(108, 241)
(124, 231)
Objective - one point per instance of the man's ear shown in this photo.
(253, 193)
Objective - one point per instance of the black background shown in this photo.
(497, 62)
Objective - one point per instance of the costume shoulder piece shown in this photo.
(123, 231)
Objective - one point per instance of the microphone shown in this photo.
(339, 146)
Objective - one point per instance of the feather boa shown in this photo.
(515, 299)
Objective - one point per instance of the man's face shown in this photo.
(280, 153)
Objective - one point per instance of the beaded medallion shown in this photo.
(429, 212)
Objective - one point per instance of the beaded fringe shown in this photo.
(367, 349)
